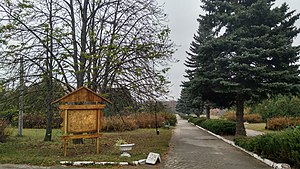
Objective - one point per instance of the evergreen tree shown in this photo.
(200, 63)
(250, 55)
(183, 105)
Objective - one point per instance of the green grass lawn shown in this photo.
(31, 149)
(258, 127)
(253, 126)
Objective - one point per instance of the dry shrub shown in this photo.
(148, 120)
(118, 123)
(130, 123)
(134, 121)
(230, 115)
(3, 132)
(253, 118)
(279, 123)
(34, 120)
(143, 120)
(296, 121)
(39, 121)
(247, 110)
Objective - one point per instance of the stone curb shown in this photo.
(264, 160)
(87, 163)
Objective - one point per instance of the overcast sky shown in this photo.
(182, 20)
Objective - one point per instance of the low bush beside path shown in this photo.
(281, 147)
(278, 146)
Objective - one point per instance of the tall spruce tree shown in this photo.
(200, 68)
(250, 55)
(184, 104)
(191, 94)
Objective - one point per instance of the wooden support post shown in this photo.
(98, 131)
(101, 118)
(65, 132)
(98, 145)
(65, 147)
(66, 122)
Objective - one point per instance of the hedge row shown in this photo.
(197, 120)
(282, 147)
(217, 126)
(280, 123)
(30, 120)
(112, 123)
(220, 127)
(135, 121)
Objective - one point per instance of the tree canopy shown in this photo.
(105, 45)
(102, 44)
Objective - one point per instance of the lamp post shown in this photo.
(21, 98)
(155, 111)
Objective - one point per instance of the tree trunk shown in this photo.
(48, 135)
(50, 113)
(21, 98)
(74, 40)
(82, 58)
(49, 80)
(207, 111)
(93, 48)
(240, 128)
(83, 44)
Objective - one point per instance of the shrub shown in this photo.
(134, 121)
(130, 123)
(218, 126)
(278, 106)
(38, 120)
(3, 132)
(57, 120)
(279, 123)
(198, 120)
(34, 120)
(171, 118)
(116, 123)
(229, 115)
(148, 120)
(281, 147)
(10, 116)
(251, 118)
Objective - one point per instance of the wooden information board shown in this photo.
(81, 120)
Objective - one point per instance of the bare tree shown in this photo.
(103, 44)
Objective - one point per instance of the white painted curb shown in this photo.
(264, 160)
(87, 163)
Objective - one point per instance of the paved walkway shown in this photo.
(193, 148)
